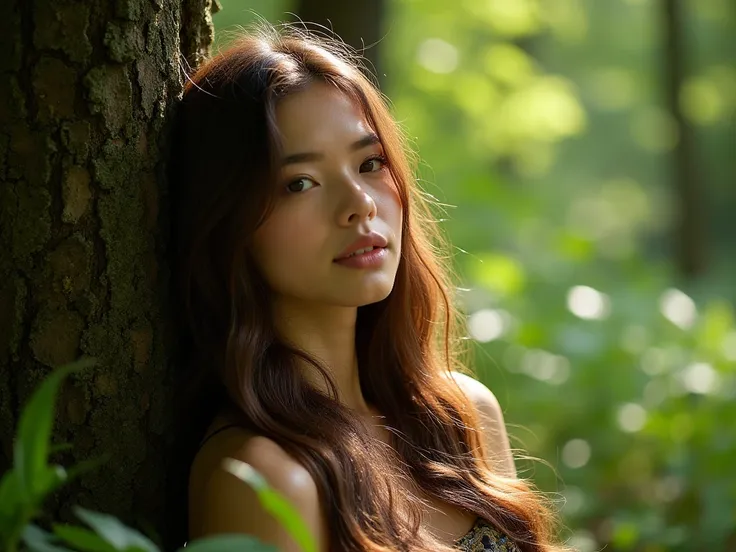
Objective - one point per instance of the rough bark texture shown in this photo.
(86, 94)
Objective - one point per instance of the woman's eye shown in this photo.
(299, 185)
(373, 164)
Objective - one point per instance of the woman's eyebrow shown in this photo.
(369, 139)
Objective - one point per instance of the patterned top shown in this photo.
(483, 537)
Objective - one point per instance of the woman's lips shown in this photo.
(370, 259)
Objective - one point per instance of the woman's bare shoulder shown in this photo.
(220, 503)
(492, 421)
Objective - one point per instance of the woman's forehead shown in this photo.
(319, 114)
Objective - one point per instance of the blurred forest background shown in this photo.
(585, 152)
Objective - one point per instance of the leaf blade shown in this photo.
(114, 532)
(31, 449)
(274, 503)
(82, 539)
(218, 543)
(38, 540)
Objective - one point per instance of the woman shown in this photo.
(324, 341)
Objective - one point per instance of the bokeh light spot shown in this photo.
(701, 378)
(438, 56)
(631, 417)
(576, 453)
(545, 366)
(654, 130)
(588, 303)
(729, 346)
(583, 541)
(486, 325)
(654, 361)
(574, 500)
(668, 488)
(678, 308)
(701, 100)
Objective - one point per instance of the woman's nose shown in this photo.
(357, 204)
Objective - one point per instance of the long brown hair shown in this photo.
(225, 145)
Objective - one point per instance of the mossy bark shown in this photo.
(86, 98)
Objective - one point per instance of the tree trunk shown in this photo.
(86, 97)
(359, 24)
(690, 235)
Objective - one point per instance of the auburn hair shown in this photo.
(222, 172)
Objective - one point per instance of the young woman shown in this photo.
(317, 301)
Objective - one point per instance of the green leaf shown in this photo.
(220, 543)
(13, 513)
(83, 539)
(34, 430)
(38, 540)
(9, 496)
(48, 480)
(114, 532)
(273, 503)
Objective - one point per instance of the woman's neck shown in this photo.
(327, 333)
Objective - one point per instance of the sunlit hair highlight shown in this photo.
(223, 170)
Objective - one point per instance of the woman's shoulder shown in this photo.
(491, 419)
(476, 391)
(214, 493)
(225, 439)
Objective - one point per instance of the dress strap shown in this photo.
(211, 435)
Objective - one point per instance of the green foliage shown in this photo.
(114, 533)
(38, 540)
(540, 124)
(31, 479)
(26, 485)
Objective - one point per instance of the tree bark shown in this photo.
(86, 97)
(690, 234)
(359, 24)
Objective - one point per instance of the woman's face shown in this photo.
(334, 188)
